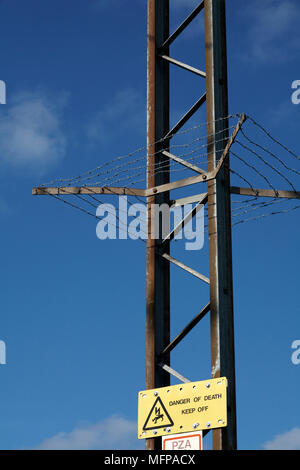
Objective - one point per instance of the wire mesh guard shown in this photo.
(257, 160)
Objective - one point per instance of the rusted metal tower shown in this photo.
(217, 198)
(220, 305)
(220, 253)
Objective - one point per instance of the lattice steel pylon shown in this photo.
(217, 197)
(158, 345)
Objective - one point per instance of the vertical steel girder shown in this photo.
(219, 216)
(158, 270)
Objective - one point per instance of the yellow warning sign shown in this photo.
(182, 408)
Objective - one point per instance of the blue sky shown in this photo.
(72, 306)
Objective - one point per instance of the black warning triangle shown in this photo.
(158, 417)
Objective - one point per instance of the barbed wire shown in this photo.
(262, 216)
(269, 152)
(94, 215)
(266, 163)
(126, 167)
(145, 148)
(268, 134)
(253, 162)
(252, 167)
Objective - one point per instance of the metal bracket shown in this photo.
(173, 372)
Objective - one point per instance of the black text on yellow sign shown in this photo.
(182, 408)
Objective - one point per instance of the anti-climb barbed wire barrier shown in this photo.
(257, 159)
(112, 175)
(269, 162)
(142, 149)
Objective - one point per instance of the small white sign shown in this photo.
(184, 441)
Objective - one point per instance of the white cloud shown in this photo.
(30, 131)
(289, 440)
(274, 29)
(112, 433)
(125, 111)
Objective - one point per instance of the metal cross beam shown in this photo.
(203, 176)
(278, 193)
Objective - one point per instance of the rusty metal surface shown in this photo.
(221, 295)
(184, 66)
(278, 193)
(219, 215)
(158, 271)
